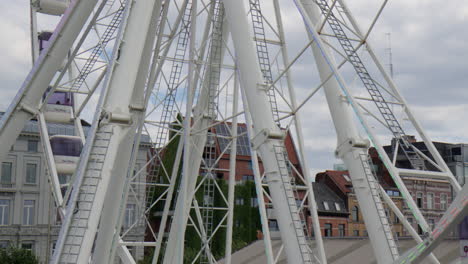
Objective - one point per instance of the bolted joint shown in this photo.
(350, 144)
(267, 134)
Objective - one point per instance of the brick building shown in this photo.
(340, 183)
(432, 196)
(332, 211)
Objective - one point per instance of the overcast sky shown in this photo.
(430, 57)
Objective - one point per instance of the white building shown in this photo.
(28, 216)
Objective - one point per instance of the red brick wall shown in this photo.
(334, 221)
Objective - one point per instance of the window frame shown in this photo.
(422, 200)
(341, 230)
(29, 220)
(36, 145)
(4, 221)
(444, 203)
(26, 176)
(2, 172)
(130, 215)
(430, 205)
(355, 214)
(327, 232)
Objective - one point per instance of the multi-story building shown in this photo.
(432, 196)
(332, 211)
(28, 215)
(340, 183)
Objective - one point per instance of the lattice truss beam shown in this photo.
(188, 115)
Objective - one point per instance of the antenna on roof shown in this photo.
(390, 54)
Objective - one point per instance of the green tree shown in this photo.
(13, 255)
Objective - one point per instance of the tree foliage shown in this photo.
(13, 255)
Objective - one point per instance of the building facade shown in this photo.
(28, 215)
(340, 183)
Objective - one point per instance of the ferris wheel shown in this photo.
(199, 83)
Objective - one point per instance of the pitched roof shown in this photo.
(325, 197)
(340, 178)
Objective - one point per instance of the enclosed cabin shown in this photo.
(66, 151)
(52, 7)
(59, 107)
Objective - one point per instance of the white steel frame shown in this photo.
(133, 76)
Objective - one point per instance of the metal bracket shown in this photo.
(119, 118)
(265, 135)
(349, 144)
(28, 109)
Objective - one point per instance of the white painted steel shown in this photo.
(200, 122)
(251, 80)
(135, 54)
(109, 149)
(232, 175)
(52, 7)
(259, 190)
(428, 142)
(175, 244)
(300, 140)
(25, 105)
(347, 135)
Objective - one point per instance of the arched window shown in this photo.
(355, 214)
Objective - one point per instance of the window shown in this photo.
(129, 215)
(419, 199)
(4, 211)
(273, 225)
(250, 165)
(341, 230)
(237, 223)
(253, 202)
(443, 201)
(6, 172)
(356, 233)
(239, 201)
(247, 177)
(396, 220)
(346, 177)
(430, 201)
(32, 145)
(28, 212)
(64, 178)
(337, 206)
(355, 214)
(4, 244)
(410, 221)
(328, 230)
(298, 203)
(325, 204)
(28, 245)
(52, 248)
(31, 172)
(431, 223)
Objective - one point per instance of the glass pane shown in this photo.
(6, 172)
(28, 212)
(32, 145)
(60, 98)
(31, 170)
(66, 146)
